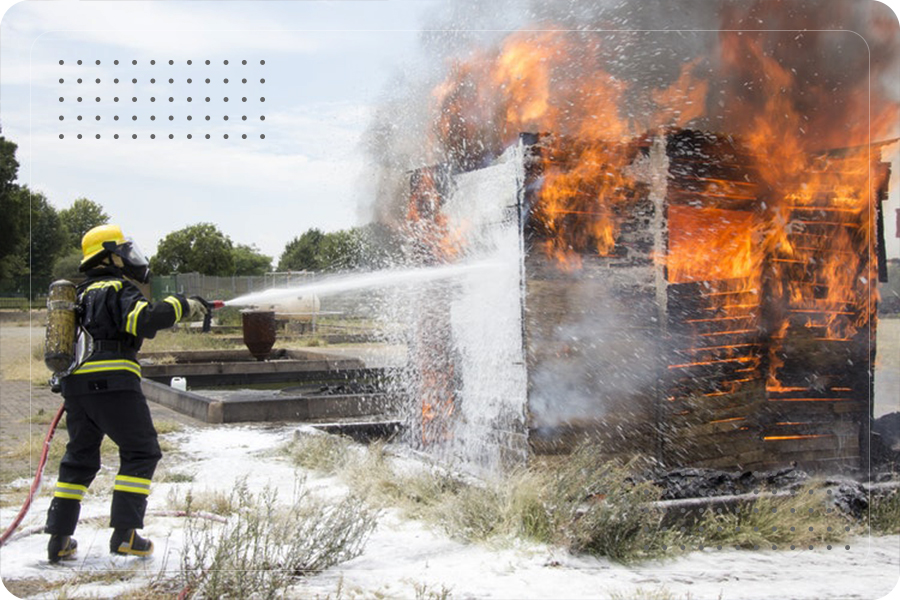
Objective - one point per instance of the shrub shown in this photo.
(264, 547)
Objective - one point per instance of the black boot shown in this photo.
(128, 543)
(61, 547)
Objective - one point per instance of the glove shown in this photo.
(198, 309)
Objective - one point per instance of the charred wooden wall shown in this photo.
(726, 372)
(650, 349)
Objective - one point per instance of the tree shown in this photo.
(248, 260)
(200, 248)
(302, 253)
(48, 236)
(66, 265)
(13, 208)
(80, 218)
(339, 250)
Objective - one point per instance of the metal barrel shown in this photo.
(59, 340)
(259, 332)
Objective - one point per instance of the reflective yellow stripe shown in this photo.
(135, 485)
(99, 366)
(131, 321)
(131, 479)
(58, 494)
(175, 303)
(104, 284)
(72, 491)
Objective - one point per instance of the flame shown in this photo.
(784, 244)
(711, 243)
(771, 438)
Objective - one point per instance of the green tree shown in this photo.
(200, 248)
(48, 236)
(80, 218)
(13, 208)
(66, 265)
(248, 260)
(342, 250)
(302, 253)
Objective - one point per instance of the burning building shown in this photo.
(719, 324)
(686, 272)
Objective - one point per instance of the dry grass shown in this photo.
(319, 452)
(45, 417)
(266, 546)
(208, 501)
(164, 427)
(798, 520)
(884, 513)
(22, 458)
(584, 504)
(178, 340)
(27, 368)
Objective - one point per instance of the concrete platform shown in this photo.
(255, 408)
(206, 372)
(207, 368)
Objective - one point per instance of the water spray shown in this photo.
(371, 280)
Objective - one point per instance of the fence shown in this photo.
(224, 288)
(16, 294)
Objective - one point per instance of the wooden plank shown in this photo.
(833, 427)
(826, 443)
(797, 408)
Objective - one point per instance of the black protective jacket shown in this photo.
(117, 317)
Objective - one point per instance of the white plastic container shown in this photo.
(179, 383)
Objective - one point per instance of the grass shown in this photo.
(163, 427)
(323, 452)
(22, 458)
(584, 504)
(266, 546)
(801, 519)
(208, 501)
(884, 513)
(178, 340)
(28, 367)
(44, 417)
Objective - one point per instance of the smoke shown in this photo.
(833, 61)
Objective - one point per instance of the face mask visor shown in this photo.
(136, 264)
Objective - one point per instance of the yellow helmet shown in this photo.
(106, 240)
(92, 242)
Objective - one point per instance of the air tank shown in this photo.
(59, 339)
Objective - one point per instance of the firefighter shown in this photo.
(103, 393)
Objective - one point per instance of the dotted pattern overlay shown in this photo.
(184, 99)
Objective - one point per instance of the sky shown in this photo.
(315, 73)
(325, 66)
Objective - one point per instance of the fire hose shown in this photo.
(36, 484)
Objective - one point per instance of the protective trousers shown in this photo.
(117, 408)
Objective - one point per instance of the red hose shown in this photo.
(37, 477)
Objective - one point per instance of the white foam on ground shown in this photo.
(404, 557)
